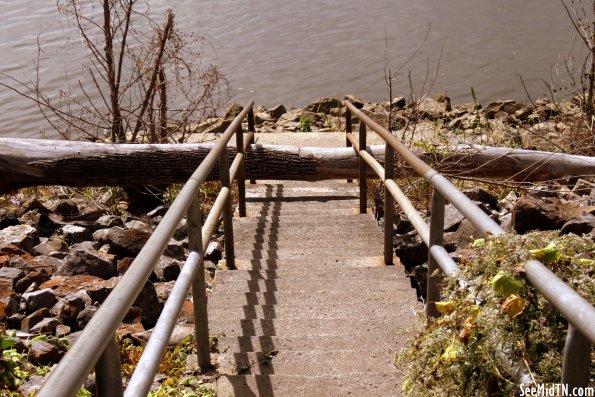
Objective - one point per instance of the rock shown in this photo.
(585, 224)
(38, 277)
(163, 289)
(91, 262)
(123, 265)
(47, 263)
(277, 112)
(22, 236)
(14, 321)
(123, 242)
(181, 231)
(324, 105)
(508, 107)
(45, 326)
(481, 195)
(76, 234)
(44, 298)
(397, 103)
(402, 224)
(69, 307)
(33, 319)
(464, 235)
(49, 246)
(85, 316)
(214, 252)
(65, 208)
(108, 221)
(356, 101)
(44, 353)
(432, 109)
(232, 111)
(62, 330)
(524, 112)
(138, 225)
(452, 218)
(11, 274)
(507, 203)
(291, 116)
(167, 268)
(464, 122)
(149, 303)
(32, 204)
(9, 304)
(411, 250)
(506, 222)
(32, 385)
(547, 213)
(43, 223)
(263, 117)
(175, 249)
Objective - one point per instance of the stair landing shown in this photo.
(311, 310)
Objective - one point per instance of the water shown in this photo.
(293, 52)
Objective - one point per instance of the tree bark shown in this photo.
(33, 162)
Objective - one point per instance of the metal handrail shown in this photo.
(96, 345)
(579, 313)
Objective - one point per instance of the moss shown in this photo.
(498, 320)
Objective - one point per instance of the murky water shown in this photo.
(293, 52)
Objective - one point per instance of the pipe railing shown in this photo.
(96, 347)
(579, 313)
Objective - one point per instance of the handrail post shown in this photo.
(348, 130)
(436, 236)
(389, 205)
(251, 129)
(108, 375)
(241, 175)
(577, 357)
(363, 182)
(227, 211)
(199, 293)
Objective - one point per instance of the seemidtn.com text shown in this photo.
(556, 390)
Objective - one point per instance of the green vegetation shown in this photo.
(498, 321)
(305, 124)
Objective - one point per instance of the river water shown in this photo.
(293, 52)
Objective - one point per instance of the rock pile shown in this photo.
(569, 209)
(60, 259)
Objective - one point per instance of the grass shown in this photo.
(498, 320)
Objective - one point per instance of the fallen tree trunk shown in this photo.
(32, 162)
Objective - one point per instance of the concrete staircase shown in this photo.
(311, 310)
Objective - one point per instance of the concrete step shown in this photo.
(386, 272)
(313, 285)
(297, 311)
(267, 344)
(304, 253)
(358, 385)
(305, 239)
(314, 217)
(316, 248)
(375, 328)
(389, 295)
(307, 363)
(321, 263)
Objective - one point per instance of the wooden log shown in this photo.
(33, 162)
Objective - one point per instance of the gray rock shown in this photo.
(91, 262)
(76, 234)
(263, 117)
(585, 224)
(452, 218)
(324, 105)
(123, 242)
(36, 277)
(356, 101)
(39, 299)
(32, 386)
(175, 249)
(69, 307)
(28, 322)
(48, 246)
(62, 330)
(138, 225)
(85, 316)
(108, 221)
(214, 252)
(66, 207)
(159, 211)
(277, 111)
(46, 326)
(168, 269)
(44, 353)
(22, 236)
(11, 274)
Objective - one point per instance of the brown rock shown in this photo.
(123, 242)
(44, 353)
(89, 261)
(46, 326)
(547, 213)
(44, 298)
(54, 283)
(38, 277)
(68, 308)
(34, 318)
(8, 300)
(22, 236)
